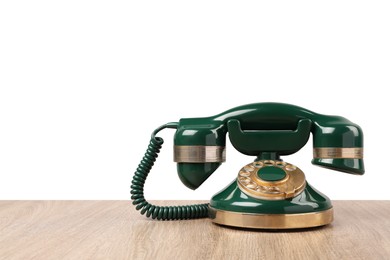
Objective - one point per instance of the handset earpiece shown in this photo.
(338, 145)
(199, 149)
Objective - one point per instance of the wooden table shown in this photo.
(115, 230)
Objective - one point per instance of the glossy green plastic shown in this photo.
(267, 129)
(195, 173)
(353, 166)
(233, 199)
(255, 142)
(271, 173)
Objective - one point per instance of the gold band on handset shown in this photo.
(199, 153)
(337, 152)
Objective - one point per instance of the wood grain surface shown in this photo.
(115, 230)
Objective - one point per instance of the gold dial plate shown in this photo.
(290, 186)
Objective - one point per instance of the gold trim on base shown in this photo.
(271, 221)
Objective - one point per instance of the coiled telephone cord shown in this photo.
(138, 182)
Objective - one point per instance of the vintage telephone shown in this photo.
(268, 193)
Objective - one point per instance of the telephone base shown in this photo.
(271, 221)
(233, 207)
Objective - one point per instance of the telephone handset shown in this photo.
(268, 193)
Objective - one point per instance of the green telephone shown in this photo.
(268, 193)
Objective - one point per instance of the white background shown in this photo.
(84, 83)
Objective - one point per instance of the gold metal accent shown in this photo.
(198, 153)
(271, 221)
(337, 152)
(290, 186)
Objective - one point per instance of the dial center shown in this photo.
(271, 173)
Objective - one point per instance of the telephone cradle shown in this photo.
(268, 193)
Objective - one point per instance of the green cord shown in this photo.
(138, 182)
